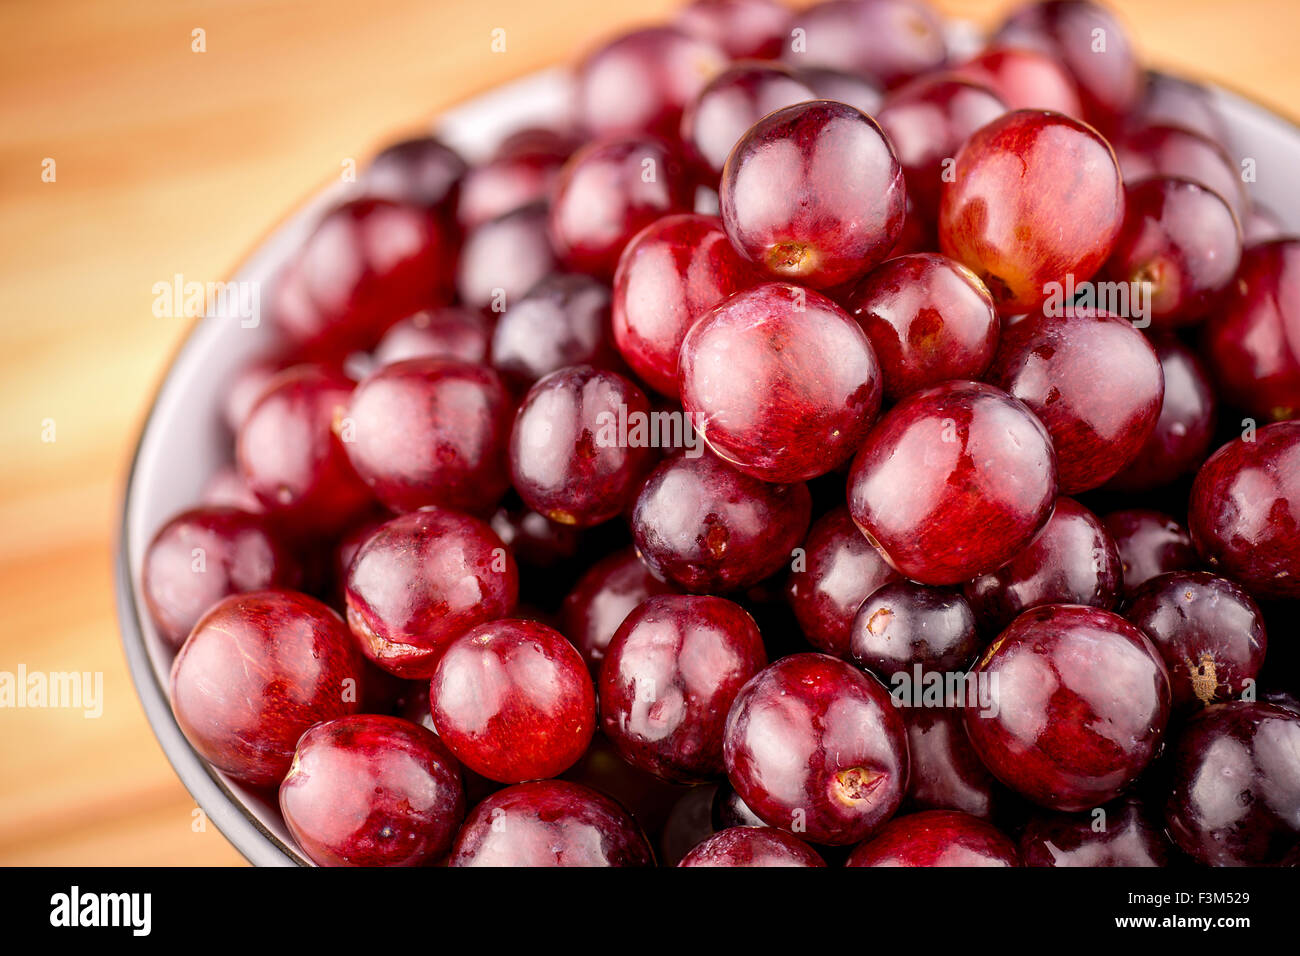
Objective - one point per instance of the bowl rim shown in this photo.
(215, 796)
(220, 804)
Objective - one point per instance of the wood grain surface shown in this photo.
(171, 161)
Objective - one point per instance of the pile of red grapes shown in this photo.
(805, 455)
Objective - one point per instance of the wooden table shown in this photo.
(173, 161)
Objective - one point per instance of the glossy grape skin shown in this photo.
(851, 88)
(730, 104)
(1172, 150)
(689, 823)
(1023, 79)
(1244, 515)
(521, 172)
(841, 569)
(430, 431)
(228, 489)
(706, 527)
(1169, 100)
(535, 539)
(513, 701)
(1110, 80)
(813, 194)
(423, 579)
(567, 460)
(812, 742)
(245, 386)
(936, 838)
(550, 823)
(1183, 241)
(1235, 797)
(1149, 543)
(602, 599)
(258, 670)
(671, 673)
(1128, 837)
(556, 138)
(927, 121)
(1262, 225)
(367, 264)
(350, 542)
(1185, 427)
(205, 554)
(903, 625)
(563, 320)
(743, 29)
(649, 799)
(641, 81)
(291, 455)
(918, 234)
(1083, 699)
(929, 320)
(503, 186)
(1035, 196)
(1252, 341)
(731, 811)
(1072, 561)
(1208, 630)
(370, 790)
(953, 482)
(752, 846)
(421, 170)
(889, 41)
(501, 259)
(946, 773)
(607, 192)
(780, 382)
(450, 332)
(672, 272)
(1093, 379)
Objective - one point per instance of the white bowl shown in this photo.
(184, 440)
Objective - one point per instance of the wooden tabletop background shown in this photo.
(170, 161)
